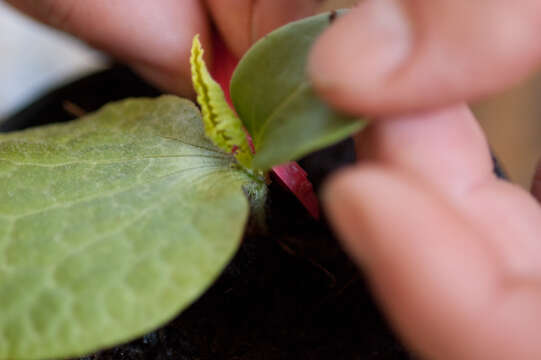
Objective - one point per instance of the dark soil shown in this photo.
(290, 295)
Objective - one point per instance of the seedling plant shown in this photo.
(112, 224)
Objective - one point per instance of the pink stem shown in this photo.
(293, 177)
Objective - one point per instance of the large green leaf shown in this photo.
(275, 101)
(110, 225)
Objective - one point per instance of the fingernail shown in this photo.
(363, 48)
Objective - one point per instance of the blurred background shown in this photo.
(35, 59)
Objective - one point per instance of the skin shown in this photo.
(417, 54)
(452, 253)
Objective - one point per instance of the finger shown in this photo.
(152, 36)
(447, 151)
(453, 255)
(243, 22)
(389, 56)
(438, 280)
(416, 252)
(445, 147)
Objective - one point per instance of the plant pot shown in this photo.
(290, 295)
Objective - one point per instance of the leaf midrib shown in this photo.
(287, 100)
(114, 161)
(69, 204)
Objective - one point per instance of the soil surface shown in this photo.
(292, 294)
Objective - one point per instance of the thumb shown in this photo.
(389, 56)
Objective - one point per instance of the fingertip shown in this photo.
(351, 199)
(340, 192)
(356, 56)
(334, 186)
(389, 56)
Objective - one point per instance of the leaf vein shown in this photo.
(298, 90)
(104, 194)
(117, 161)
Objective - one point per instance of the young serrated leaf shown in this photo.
(222, 126)
(275, 100)
(111, 225)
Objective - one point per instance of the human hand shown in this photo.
(452, 252)
(155, 37)
(395, 56)
(408, 54)
(455, 288)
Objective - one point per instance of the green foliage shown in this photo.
(275, 101)
(222, 126)
(110, 225)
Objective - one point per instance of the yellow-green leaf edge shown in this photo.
(222, 125)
